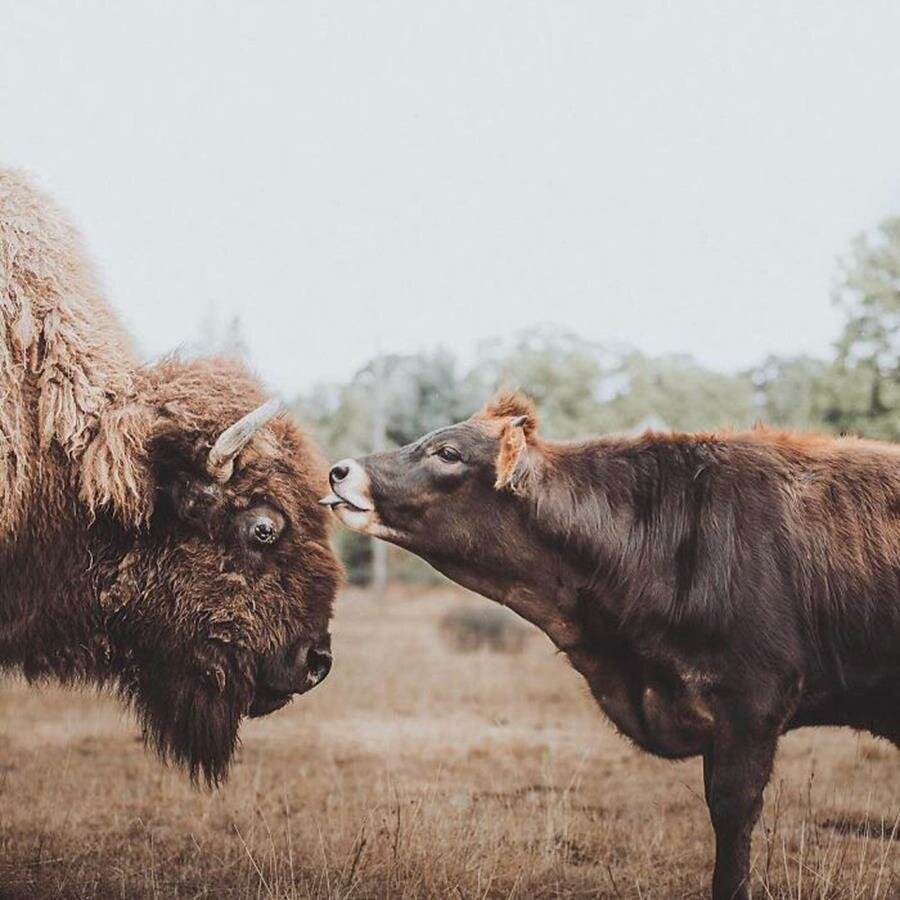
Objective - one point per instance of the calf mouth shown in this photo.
(354, 515)
(351, 500)
(334, 500)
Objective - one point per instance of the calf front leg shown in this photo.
(735, 772)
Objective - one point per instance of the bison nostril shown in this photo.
(318, 664)
(338, 473)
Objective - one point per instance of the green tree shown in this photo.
(797, 392)
(420, 392)
(584, 388)
(866, 381)
(569, 377)
(686, 395)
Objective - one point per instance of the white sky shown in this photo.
(348, 176)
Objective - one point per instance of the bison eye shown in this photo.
(265, 532)
(260, 526)
(449, 455)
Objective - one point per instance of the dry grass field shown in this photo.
(415, 771)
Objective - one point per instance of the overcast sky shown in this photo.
(348, 176)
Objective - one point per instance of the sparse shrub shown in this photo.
(467, 629)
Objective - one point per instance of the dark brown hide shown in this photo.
(715, 590)
(122, 561)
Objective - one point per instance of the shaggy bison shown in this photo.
(715, 590)
(159, 531)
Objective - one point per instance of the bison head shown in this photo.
(216, 603)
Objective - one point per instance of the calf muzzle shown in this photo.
(351, 496)
(349, 487)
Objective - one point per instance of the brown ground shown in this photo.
(417, 772)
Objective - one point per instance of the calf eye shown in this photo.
(265, 532)
(449, 454)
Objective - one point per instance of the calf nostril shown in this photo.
(338, 473)
(318, 664)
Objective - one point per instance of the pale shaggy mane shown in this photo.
(66, 368)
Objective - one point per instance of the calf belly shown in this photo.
(664, 715)
(873, 706)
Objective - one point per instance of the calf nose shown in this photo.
(338, 473)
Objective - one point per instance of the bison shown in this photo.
(159, 530)
(715, 590)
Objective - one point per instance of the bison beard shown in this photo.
(196, 727)
(159, 532)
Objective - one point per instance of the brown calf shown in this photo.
(715, 590)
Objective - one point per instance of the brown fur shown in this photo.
(513, 417)
(507, 404)
(121, 560)
(512, 446)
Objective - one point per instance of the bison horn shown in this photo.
(220, 463)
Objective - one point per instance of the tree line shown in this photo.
(583, 387)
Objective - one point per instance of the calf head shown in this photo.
(217, 606)
(454, 496)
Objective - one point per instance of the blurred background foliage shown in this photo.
(583, 387)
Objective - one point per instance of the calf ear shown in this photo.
(512, 464)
